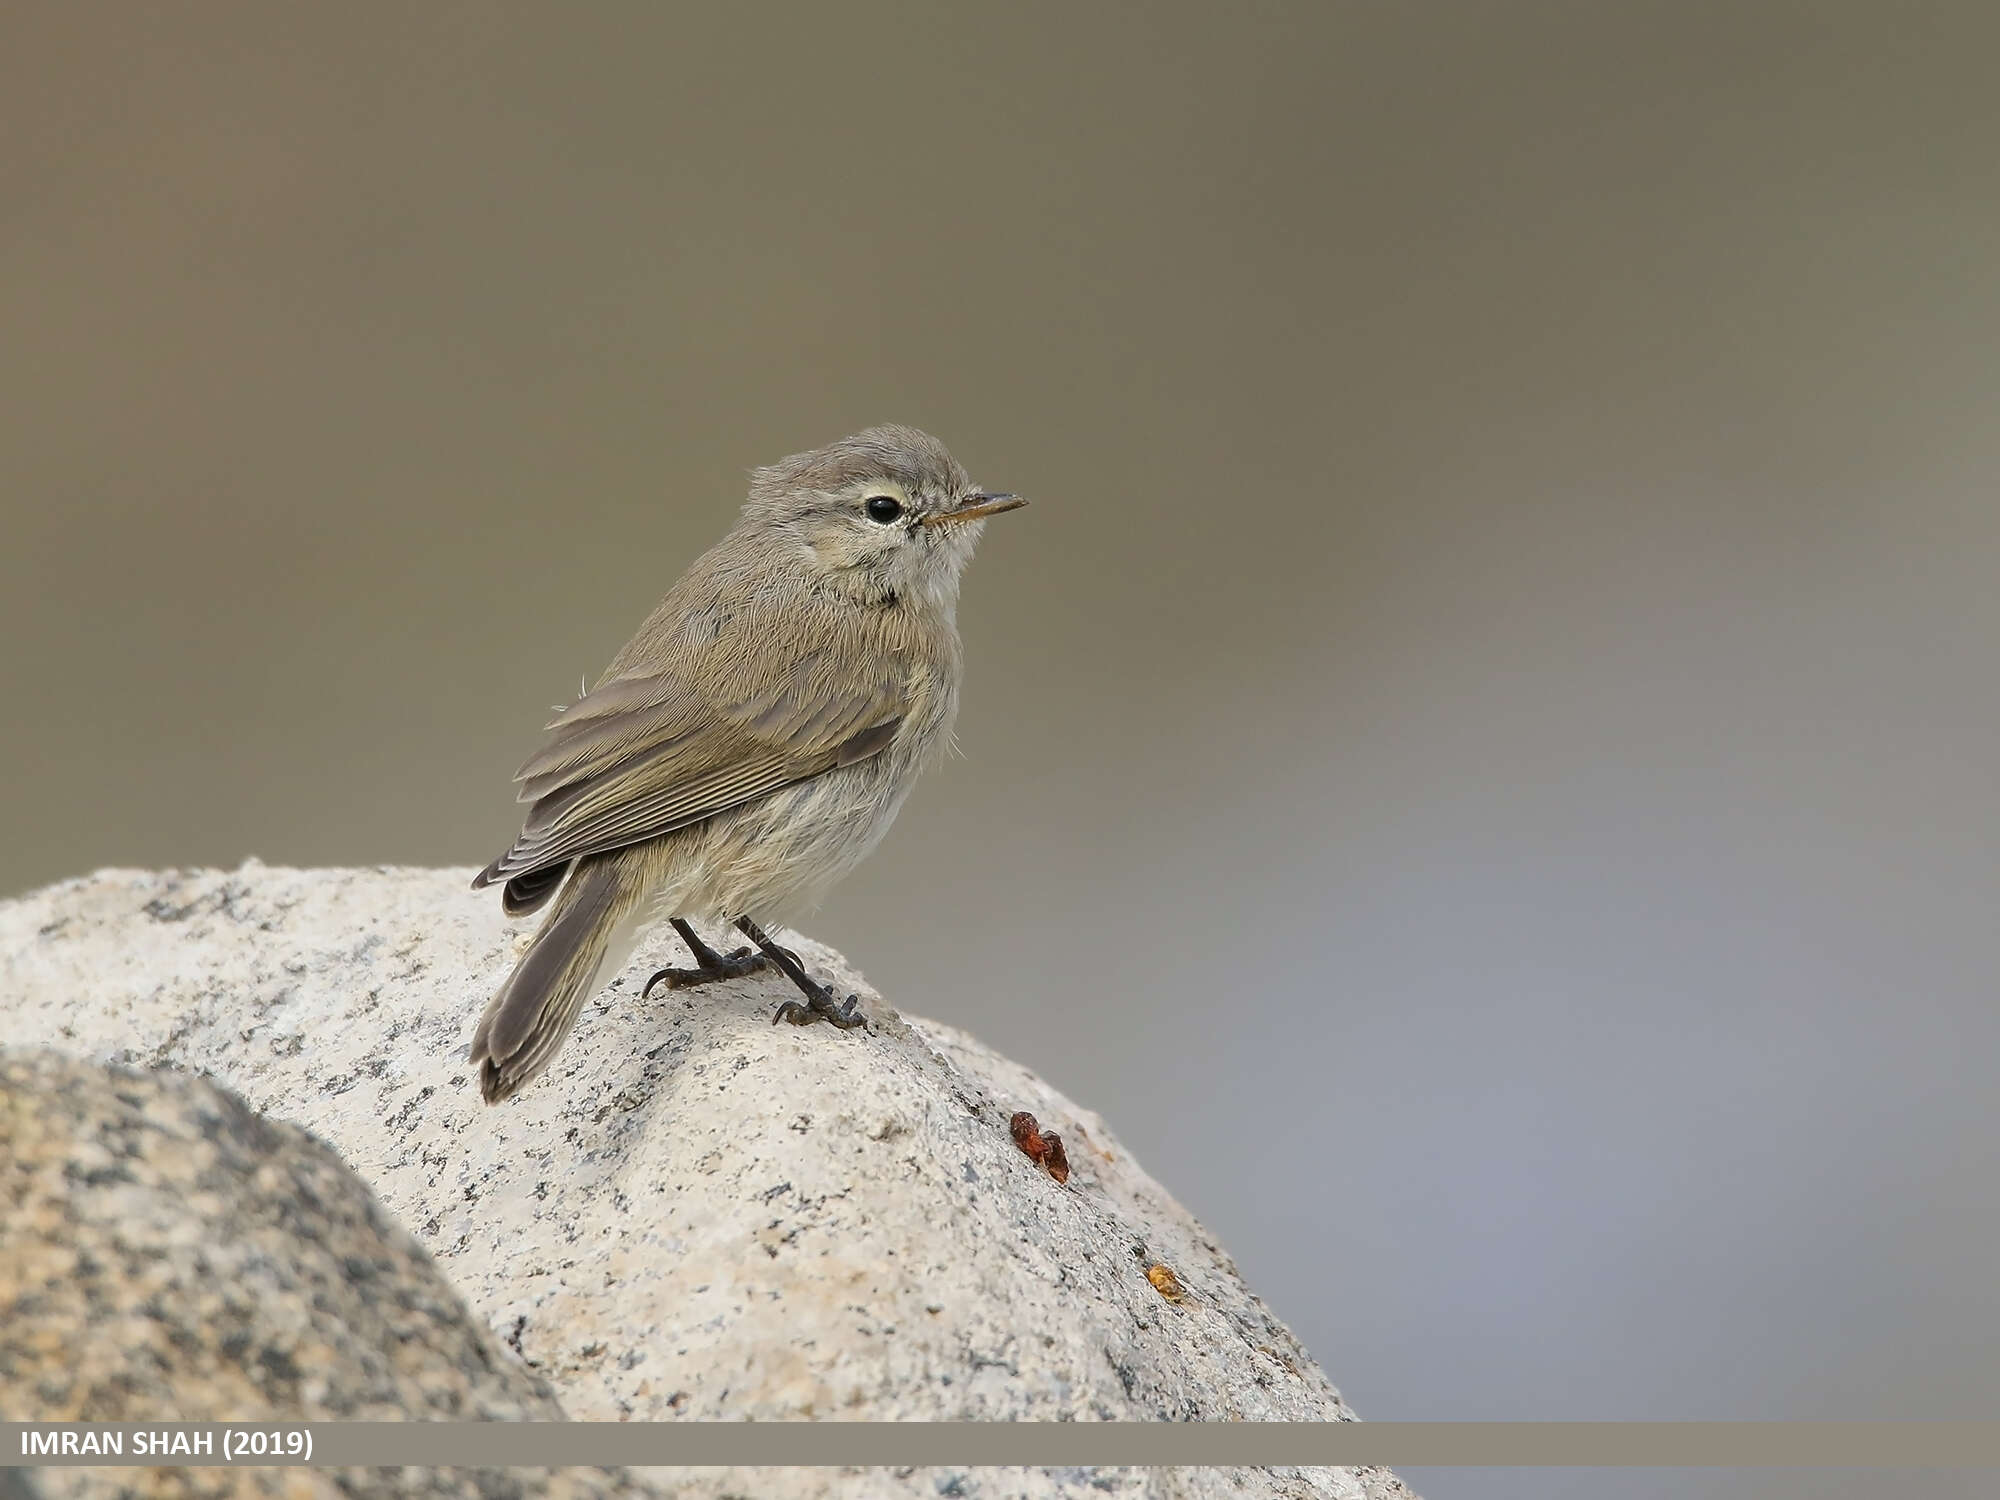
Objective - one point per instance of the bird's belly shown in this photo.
(775, 859)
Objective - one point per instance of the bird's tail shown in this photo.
(528, 1018)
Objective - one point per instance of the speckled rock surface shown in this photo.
(313, 1484)
(694, 1213)
(167, 1253)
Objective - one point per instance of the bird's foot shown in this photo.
(710, 966)
(726, 966)
(821, 1006)
(819, 1002)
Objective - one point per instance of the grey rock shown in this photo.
(319, 1484)
(694, 1214)
(167, 1253)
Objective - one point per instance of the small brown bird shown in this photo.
(751, 744)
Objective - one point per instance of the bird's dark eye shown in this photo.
(882, 508)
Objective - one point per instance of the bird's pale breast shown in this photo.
(776, 858)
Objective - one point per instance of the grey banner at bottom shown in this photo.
(981, 1444)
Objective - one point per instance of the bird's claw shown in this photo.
(733, 965)
(822, 1007)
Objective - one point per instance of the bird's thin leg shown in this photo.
(709, 965)
(820, 1004)
(705, 957)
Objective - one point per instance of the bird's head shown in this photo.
(887, 514)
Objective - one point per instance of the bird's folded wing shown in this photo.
(641, 756)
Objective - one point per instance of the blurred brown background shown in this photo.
(1481, 759)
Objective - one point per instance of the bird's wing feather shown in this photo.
(640, 756)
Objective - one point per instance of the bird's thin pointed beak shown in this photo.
(981, 504)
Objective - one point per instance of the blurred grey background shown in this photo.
(1481, 759)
